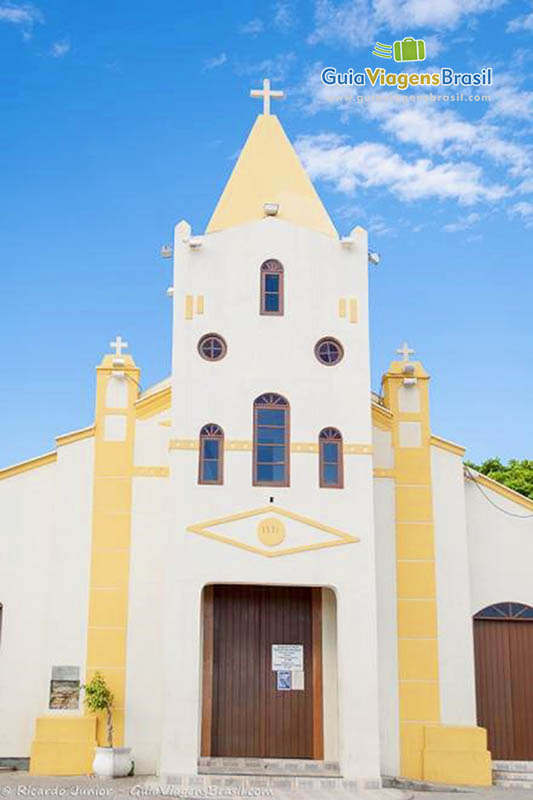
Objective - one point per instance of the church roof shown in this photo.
(269, 171)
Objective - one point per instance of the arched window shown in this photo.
(271, 441)
(330, 459)
(516, 611)
(211, 455)
(272, 287)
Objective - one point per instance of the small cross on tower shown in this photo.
(119, 345)
(405, 351)
(266, 93)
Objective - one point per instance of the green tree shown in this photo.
(98, 698)
(517, 475)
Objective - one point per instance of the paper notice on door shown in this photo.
(298, 681)
(288, 657)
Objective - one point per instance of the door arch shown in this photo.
(503, 648)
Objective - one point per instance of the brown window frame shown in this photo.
(324, 340)
(272, 401)
(330, 435)
(202, 341)
(272, 267)
(206, 434)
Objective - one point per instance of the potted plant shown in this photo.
(109, 762)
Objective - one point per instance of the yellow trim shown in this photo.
(201, 528)
(428, 750)
(445, 444)
(189, 306)
(237, 444)
(152, 404)
(504, 491)
(354, 316)
(200, 304)
(108, 610)
(75, 436)
(25, 466)
(382, 418)
(151, 472)
(269, 171)
(342, 307)
(247, 445)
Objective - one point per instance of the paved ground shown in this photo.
(20, 784)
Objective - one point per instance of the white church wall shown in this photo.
(383, 449)
(456, 653)
(70, 559)
(500, 549)
(330, 670)
(27, 501)
(144, 675)
(151, 441)
(268, 354)
(385, 512)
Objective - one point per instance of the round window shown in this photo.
(212, 347)
(329, 351)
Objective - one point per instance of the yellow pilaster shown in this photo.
(428, 749)
(65, 745)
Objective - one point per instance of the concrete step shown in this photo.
(512, 766)
(276, 786)
(506, 784)
(281, 767)
(501, 775)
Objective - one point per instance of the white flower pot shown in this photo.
(112, 762)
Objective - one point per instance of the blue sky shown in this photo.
(119, 119)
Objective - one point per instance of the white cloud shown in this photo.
(216, 61)
(253, 27)
(328, 157)
(276, 67)
(20, 13)
(523, 23)
(350, 23)
(60, 49)
(284, 18)
(433, 127)
(356, 23)
(524, 210)
(463, 223)
(507, 99)
(400, 14)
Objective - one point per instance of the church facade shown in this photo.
(263, 558)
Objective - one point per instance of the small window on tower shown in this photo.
(272, 288)
(211, 454)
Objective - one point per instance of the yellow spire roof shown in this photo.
(269, 171)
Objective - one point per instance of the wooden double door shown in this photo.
(504, 686)
(245, 712)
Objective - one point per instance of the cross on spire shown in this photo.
(405, 351)
(266, 93)
(119, 345)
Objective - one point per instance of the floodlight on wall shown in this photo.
(195, 242)
(170, 291)
(118, 373)
(347, 241)
(409, 368)
(166, 251)
(373, 257)
(409, 381)
(271, 209)
(118, 362)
